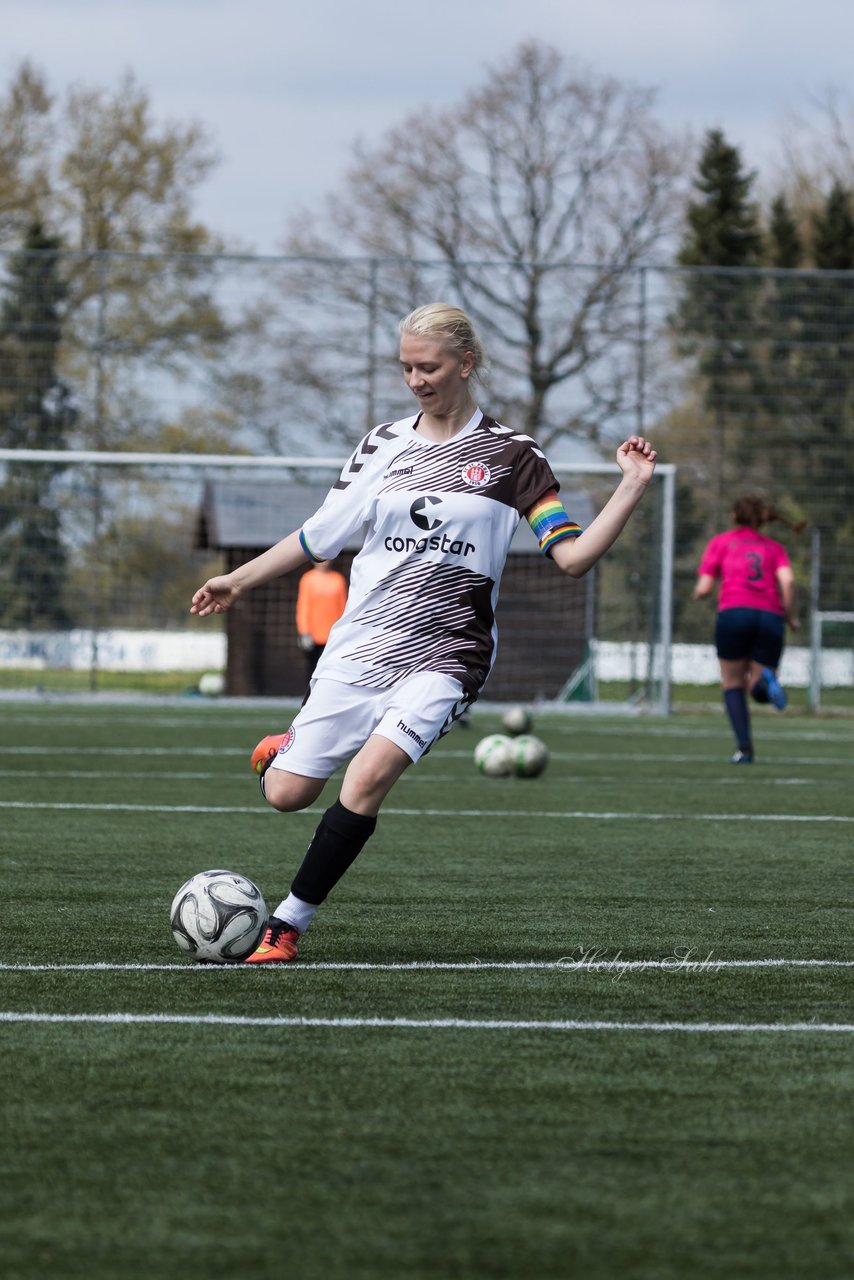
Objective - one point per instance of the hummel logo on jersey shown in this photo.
(401, 471)
(423, 521)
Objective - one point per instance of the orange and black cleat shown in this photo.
(266, 752)
(279, 945)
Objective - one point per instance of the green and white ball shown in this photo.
(517, 720)
(528, 756)
(492, 755)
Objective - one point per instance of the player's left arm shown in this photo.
(786, 583)
(575, 556)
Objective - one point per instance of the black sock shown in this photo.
(739, 717)
(336, 843)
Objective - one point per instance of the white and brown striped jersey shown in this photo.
(438, 519)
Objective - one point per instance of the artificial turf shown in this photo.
(583, 1135)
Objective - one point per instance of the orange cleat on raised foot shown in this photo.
(279, 945)
(265, 753)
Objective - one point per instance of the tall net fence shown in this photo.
(743, 378)
(112, 547)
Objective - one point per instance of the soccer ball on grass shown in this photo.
(492, 755)
(212, 684)
(528, 756)
(218, 916)
(516, 720)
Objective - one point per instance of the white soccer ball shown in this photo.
(528, 756)
(492, 755)
(517, 720)
(211, 684)
(218, 916)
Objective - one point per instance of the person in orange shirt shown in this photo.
(321, 598)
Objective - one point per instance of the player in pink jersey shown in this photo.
(756, 600)
(436, 498)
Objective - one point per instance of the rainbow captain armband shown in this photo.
(550, 522)
(307, 549)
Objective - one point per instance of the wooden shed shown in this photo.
(544, 617)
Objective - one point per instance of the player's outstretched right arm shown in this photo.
(219, 593)
(575, 556)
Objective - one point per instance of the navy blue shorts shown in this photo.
(750, 633)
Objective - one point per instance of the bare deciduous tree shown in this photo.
(530, 203)
(817, 150)
(25, 134)
(108, 179)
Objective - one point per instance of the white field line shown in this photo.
(425, 778)
(127, 752)
(135, 776)
(673, 964)
(427, 1024)
(638, 728)
(558, 724)
(638, 757)
(480, 814)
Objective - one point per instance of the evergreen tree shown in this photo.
(785, 249)
(804, 428)
(722, 221)
(715, 317)
(833, 232)
(35, 413)
(779, 335)
(823, 477)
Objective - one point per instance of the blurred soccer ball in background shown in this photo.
(218, 916)
(528, 756)
(517, 720)
(212, 684)
(492, 755)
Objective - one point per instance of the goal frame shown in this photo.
(818, 618)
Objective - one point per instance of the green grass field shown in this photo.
(593, 1024)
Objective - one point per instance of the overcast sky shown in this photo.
(285, 87)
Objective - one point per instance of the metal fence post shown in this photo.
(815, 620)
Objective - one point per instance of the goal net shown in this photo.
(100, 554)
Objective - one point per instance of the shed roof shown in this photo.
(258, 513)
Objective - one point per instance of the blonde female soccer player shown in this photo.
(440, 494)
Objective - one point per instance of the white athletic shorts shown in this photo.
(337, 719)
